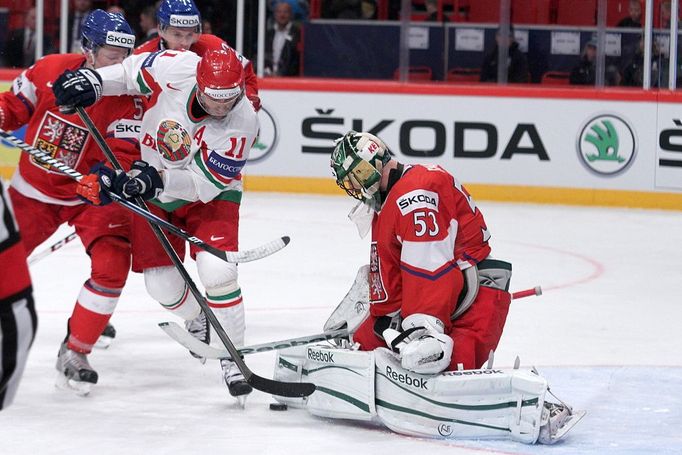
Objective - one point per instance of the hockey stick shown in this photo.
(183, 337)
(179, 334)
(54, 247)
(537, 290)
(285, 389)
(227, 256)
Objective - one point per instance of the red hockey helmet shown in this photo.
(220, 80)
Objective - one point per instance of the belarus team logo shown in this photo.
(173, 141)
(607, 145)
(61, 139)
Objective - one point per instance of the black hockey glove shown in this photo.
(81, 88)
(142, 180)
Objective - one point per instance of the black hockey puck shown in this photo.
(278, 407)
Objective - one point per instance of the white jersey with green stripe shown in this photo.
(202, 157)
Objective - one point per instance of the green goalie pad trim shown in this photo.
(306, 372)
(229, 195)
(387, 405)
(347, 398)
(479, 407)
(288, 365)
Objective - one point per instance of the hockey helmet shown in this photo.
(357, 162)
(100, 28)
(179, 13)
(220, 81)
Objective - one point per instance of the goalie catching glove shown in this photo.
(422, 345)
(79, 88)
(142, 180)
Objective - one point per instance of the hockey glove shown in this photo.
(81, 88)
(95, 187)
(422, 345)
(255, 102)
(142, 180)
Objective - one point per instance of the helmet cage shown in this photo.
(357, 165)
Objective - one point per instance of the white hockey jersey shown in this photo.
(201, 157)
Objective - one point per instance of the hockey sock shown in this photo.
(229, 309)
(90, 315)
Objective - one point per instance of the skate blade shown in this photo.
(80, 388)
(241, 401)
(570, 422)
(103, 342)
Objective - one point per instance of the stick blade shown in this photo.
(282, 389)
(259, 252)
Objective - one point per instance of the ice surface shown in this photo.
(606, 333)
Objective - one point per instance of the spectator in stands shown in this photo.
(634, 17)
(281, 43)
(116, 9)
(148, 25)
(299, 8)
(81, 8)
(368, 9)
(21, 43)
(517, 71)
(432, 11)
(633, 73)
(584, 73)
(666, 13)
(206, 27)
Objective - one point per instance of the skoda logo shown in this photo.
(267, 138)
(607, 145)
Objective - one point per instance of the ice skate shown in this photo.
(235, 382)
(106, 338)
(75, 373)
(200, 329)
(557, 420)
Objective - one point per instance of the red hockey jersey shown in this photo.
(65, 137)
(205, 43)
(427, 228)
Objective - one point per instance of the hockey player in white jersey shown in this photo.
(195, 140)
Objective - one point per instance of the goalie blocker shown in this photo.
(467, 404)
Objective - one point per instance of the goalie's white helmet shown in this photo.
(357, 162)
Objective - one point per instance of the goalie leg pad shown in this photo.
(344, 380)
(354, 308)
(460, 404)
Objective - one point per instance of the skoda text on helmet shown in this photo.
(101, 28)
(220, 82)
(179, 13)
(357, 162)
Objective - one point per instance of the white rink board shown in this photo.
(506, 140)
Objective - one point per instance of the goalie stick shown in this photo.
(227, 256)
(183, 337)
(179, 334)
(54, 247)
(285, 389)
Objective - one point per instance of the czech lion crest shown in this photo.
(173, 141)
